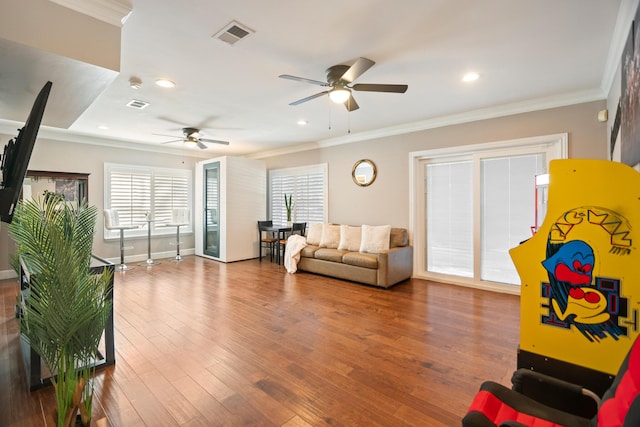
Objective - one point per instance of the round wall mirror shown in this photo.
(364, 172)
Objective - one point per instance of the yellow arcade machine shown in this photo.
(580, 274)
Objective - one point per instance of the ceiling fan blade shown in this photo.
(164, 134)
(171, 120)
(351, 104)
(357, 69)
(201, 145)
(173, 140)
(302, 79)
(309, 98)
(368, 87)
(213, 141)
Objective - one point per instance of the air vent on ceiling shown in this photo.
(136, 103)
(233, 32)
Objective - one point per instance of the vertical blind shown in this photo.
(507, 210)
(135, 191)
(308, 187)
(450, 218)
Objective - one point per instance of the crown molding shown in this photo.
(626, 13)
(110, 11)
(289, 149)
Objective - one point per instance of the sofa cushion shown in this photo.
(308, 251)
(350, 238)
(375, 239)
(360, 259)
(330, 236)
(328, 254)
(399, 237)
(314, 233)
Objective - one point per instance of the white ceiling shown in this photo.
(529, 54)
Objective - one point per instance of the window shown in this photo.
(474, 203)
(135, 191)
(307, 184)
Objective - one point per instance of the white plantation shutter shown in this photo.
(130, 194)
(281, 185)
(170, 192)
(310, 193)
(308, 185)
(135, 191)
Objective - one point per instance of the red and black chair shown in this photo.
(498, 406)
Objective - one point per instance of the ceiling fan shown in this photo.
(193, 136)
(340, 79)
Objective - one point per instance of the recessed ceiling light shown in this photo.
(470, 77)
(165, 83)
(103, 127)
(302, 122)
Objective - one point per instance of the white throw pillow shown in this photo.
(330, 236)
(314, 233)
(350, 238)
(375, 239)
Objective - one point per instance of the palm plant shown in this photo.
(67, 306)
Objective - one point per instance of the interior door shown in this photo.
(212, 209)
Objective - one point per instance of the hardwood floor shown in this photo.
(202, 343)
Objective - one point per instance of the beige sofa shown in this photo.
(381, 263)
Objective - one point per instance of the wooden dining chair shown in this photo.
(266, 238)
(296, 228)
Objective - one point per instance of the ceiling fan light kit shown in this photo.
(339, 78)
(339, 95)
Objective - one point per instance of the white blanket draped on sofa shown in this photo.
(295, 244)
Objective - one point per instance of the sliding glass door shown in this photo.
(507, 212)
(477, 203)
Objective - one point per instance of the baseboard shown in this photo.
(8, 274)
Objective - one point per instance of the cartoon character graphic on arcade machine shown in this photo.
(574, 298)
(573, 264)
